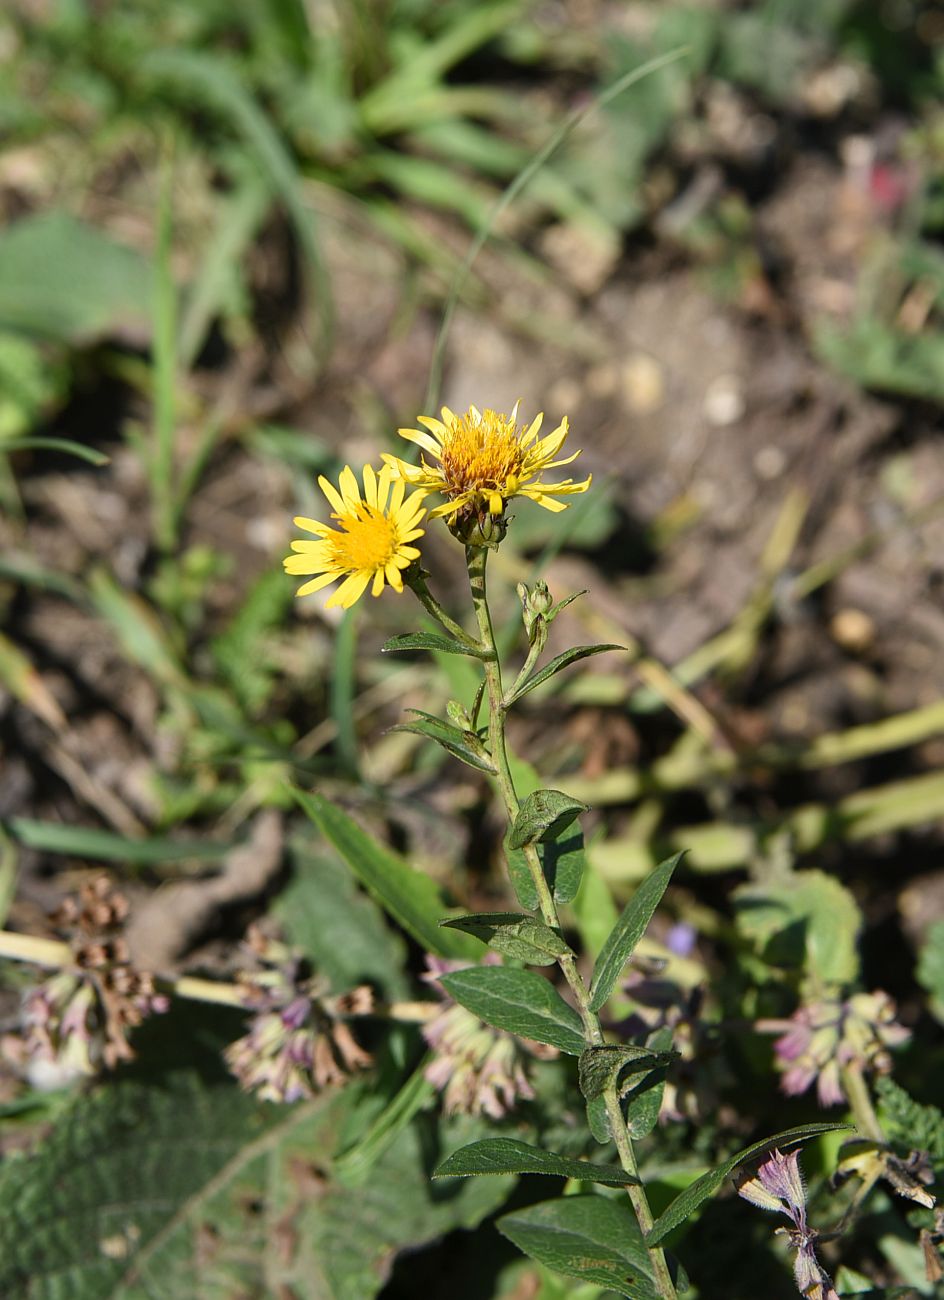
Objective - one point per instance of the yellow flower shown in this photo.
(485, 459)
(371, 543)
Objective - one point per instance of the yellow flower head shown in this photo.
(483, 460)
(371, 543)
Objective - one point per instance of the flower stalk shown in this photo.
(477, 559)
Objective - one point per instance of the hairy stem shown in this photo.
(416, 581)
(477, 558)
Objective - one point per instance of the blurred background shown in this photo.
(229, 235)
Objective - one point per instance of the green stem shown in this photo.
(477, 558)
(416, 581)
(527, 668)
(863, 1112)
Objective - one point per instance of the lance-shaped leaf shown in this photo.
(641, 1105)
(687, 1202)
(514, 934)
(504, 1155)
(464, 745)
(598, 1121)
(602, 1066)
(593, 1238)
(413, 900)
(430, 641)
(561, 661)
(628, 930)
(519, 1001)
(562, 861)
(544, 815)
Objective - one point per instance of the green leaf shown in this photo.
(519, 1001)
(516, 935)
(324, 911)
(628, 930)
(642, 1104)
(705, 1187)
(809, 919)
(563, 863)
(561, 661)
(504, 1155)
(431, 641)
(65, 281)
(464, 745)
(413, 900)
(592, 1238)
(65, 445)
(602, 1066)
(544, 815)
(598, 1121)
(930, 969)
(90, 842)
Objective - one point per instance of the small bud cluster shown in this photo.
(478, 1069)
(825, 1035)
(778, 1186)
(298, 1041)
(539, 611)
(80, 1018)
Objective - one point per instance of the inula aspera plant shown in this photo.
(473, 466)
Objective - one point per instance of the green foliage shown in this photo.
(430, 641)
(602, 1066)
(908, 1123)
(643, 1102)
(504, 1155)
(515, 935)
(563, 862)
(518, 1001)
(461, 743)
(563, 660)
(628, 930)
(930, 970)
(544, 815)
(590, 1237)
(809, 920)
(412, 899)
(685, 1205)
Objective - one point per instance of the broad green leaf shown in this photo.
(63, 280)
(431, 641)
(544, 815)
(593, 1238)
(519, 1001)
(523, 937)
(561, 661)
(628, 930)
(809, 919)
(464, 745)
(504, 1155)
(563, 862)
(412, 899)
(354, 1164)
(343, 931)
(705, 1187)
(602, 1066)
(642, 1103)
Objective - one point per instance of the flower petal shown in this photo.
(316, 584)
(350, 590)
(332, 494)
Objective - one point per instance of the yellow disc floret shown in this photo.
(484, 459)
(371, 544)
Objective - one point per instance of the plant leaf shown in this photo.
(705, 1187)
(430, 641)
(412, 899)
(593, 1238)
(598, 1121)
(808, 920)
(563, 863)
(561, 661)
(628, 930)
(464, 745)
(519, 1001)
(642, 1103)
(504, 1155)
(544, 815)
(523, 937)
(65, 445)
(601, 1066)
